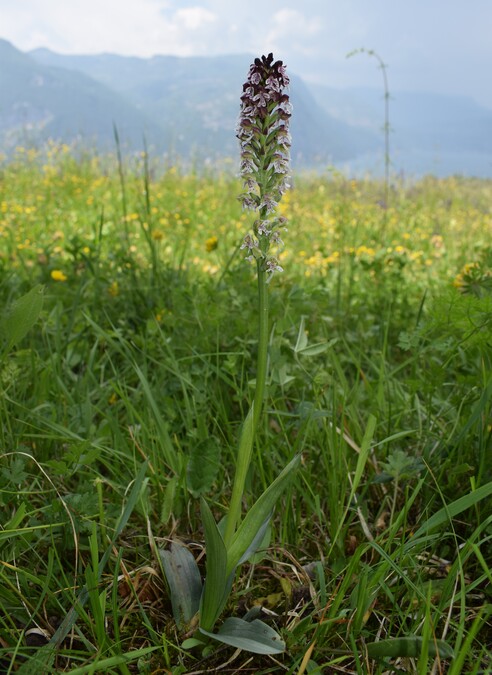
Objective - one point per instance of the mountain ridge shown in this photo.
(187, 107)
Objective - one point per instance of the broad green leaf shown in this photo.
(218, 582)
(242, 466)
(408, 646)
(22, 315)
(256, 637)
(258, 515)
(185, 583)
(258, 550)
(258, 541)
(203, 466)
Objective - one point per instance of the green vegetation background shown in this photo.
(380, 374)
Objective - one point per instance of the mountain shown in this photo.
(446, 134)
(196, 100)
(39, 102)
(187, 108)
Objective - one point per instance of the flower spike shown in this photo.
(264, 138)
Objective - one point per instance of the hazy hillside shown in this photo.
(187, 108)
(446, 134)
(196, 100)
(38, 102)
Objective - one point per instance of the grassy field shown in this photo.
(123, 396)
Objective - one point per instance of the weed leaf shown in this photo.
(203, 467)
(22, 315)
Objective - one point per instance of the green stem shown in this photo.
(251, 423)
(262, 359)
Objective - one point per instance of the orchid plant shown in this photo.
(263, 133)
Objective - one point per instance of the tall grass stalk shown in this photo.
(386, 127)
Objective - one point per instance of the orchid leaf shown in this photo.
(185, 584)
(258, 514)
(243, 462)
(255, 636)
(217, 582)
(260, 539)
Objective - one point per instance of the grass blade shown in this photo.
(45, 656)
(450, 511)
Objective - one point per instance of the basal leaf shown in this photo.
(258, 541)
(258, 515)
(218, 582)
(255, 636)
(185, 584)
(314, 350)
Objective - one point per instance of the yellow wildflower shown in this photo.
(211, 244)
(58, 275)
(114, 289)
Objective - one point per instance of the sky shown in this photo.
(443, 46)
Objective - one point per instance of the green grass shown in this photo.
(141, 364)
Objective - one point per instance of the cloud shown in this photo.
(194, 18)
(291, 27)
(140, 28)
(423, 46)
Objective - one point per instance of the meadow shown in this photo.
(129, 341)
